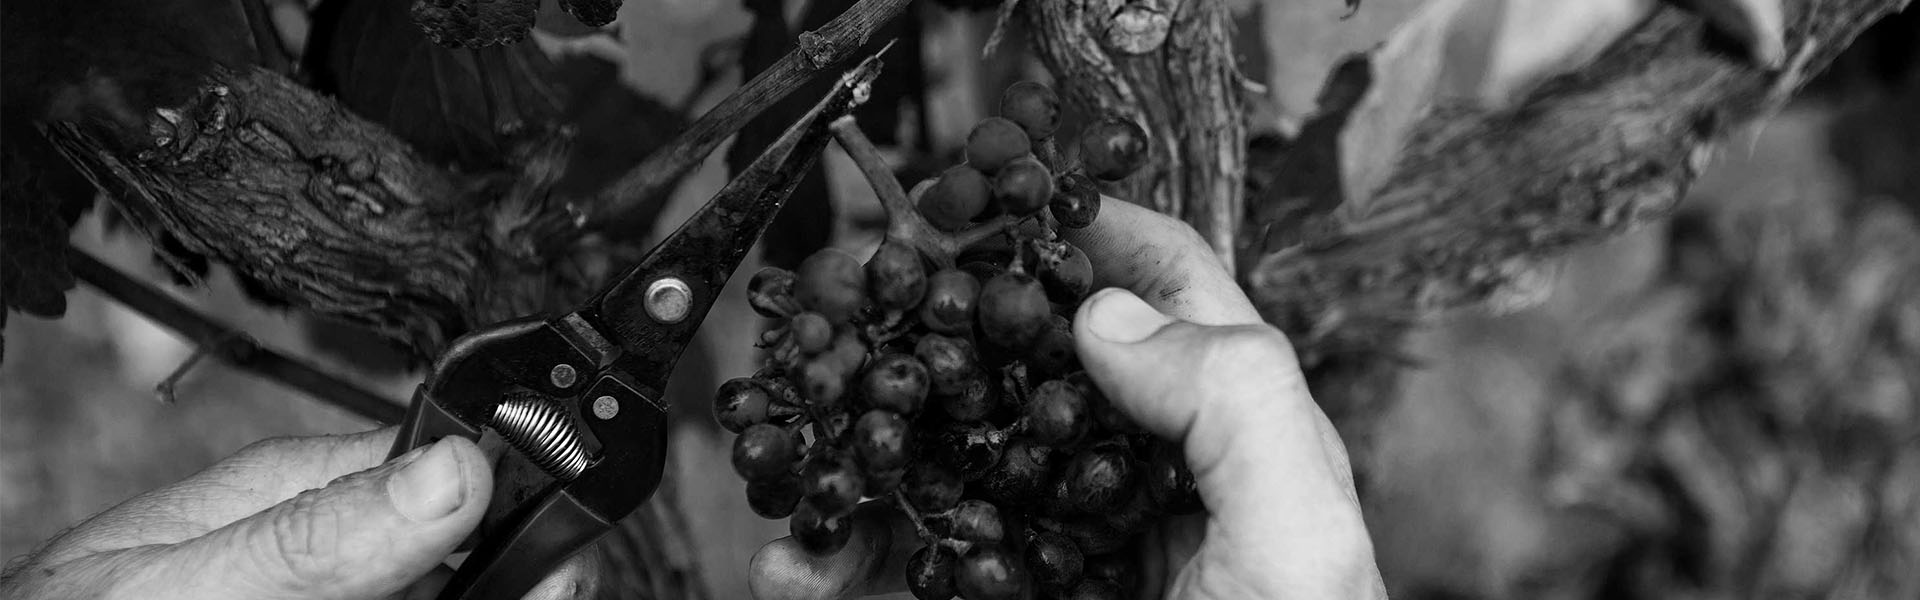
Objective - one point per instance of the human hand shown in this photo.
(1192, 362)
(319, 517)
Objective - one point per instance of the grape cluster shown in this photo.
(940, 377)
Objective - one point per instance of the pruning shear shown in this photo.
(580, 395)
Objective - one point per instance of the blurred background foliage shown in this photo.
(1724, 405)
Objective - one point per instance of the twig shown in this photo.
(637, 197)
(164, 390)
(231, 346)
(847, 132)
(999, 28)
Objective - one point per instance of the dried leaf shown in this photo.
(1406, 74)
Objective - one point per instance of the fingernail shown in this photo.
(1118, 316)
(430, 486)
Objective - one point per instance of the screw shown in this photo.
(563, 376)
(605, 407)
(669, 300)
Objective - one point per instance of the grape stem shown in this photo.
(904, 222)
(919, 524)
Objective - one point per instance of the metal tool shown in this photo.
(579, 395)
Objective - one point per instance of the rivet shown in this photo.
(563, 376)
(605, 407)
(669, 300)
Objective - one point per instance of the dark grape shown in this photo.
(823, 382)
(832, 283)
(1095, 589)
(973, 403)
(970, 448)
(1135, 513)
(774, 498)
(1054, 560)
(1023, 186)
(740, 403)
(930, 573)
(1093, 536)
(988, 573)
(977, 521)
(1057, 413)
(982, 271)
(831, 484)
(993, 143)
(1113, 148)
(1076, 201)
(880, 440)
(819, 532)
(1117, 568)
(881, 482)
(931, 487)
(950, 363)
(956, 198)
(770, 292)
(1066, 274)
(1021, 475)
(848, 353)
(763, 452)
(1013, 310)
(811, 332)
(896, 382)
(1099, 478)
(1105, 415)
(895, 276)
(1053, 353)
(1171, 483)
(1033, 106)
(948, 307)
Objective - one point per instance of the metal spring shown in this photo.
(543, 433)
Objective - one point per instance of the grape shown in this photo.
(1116, 568)
(823, 382)
(931, 487)
(882, 482)
(1053, 353)
(1021, 475)
(993, 143)
(896, 382)
(930, 573)
(819, 532)
(770, 292)
(1093, 536)
(763, 452)
(956, 199)
(950, 363)
(1013, 310)
(811, 332)
(1105, 415)
(1095, 589)
(1135, 513)
(1171, 483)
(970, 448)
(1023, 186)
(741, 402)
(982, 271)
(1054, 560)
(1113, 148)
(1033, 106)
(774, 498)
(848, 352)
(1057, 413)
(976, 521)
(973, 403)
(1066, 275)
(1076, 201)
(948, 307)
(831, 283)
(895, 276)
(1099, 478)
(880, 440)
(831, 484)
(988, 573)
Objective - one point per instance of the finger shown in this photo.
(876, 553)
(258, 476)
(579, 577)
(1164, 261)
(369, 534)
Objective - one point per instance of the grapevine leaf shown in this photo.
(1406, 74)
(451, 105)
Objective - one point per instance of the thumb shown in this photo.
(368, 534)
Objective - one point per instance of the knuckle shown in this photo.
(304, 535)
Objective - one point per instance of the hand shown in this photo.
(1192, 362)
(320, 517)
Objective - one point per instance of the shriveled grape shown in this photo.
(1100, 478)
(770, 293)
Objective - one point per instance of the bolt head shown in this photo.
(605, 407)
(563, 376)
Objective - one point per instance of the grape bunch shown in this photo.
(940, 377)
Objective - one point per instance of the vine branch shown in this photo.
(232, 346)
